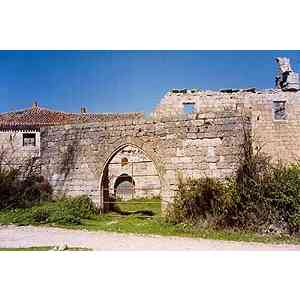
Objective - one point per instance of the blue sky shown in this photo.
(122, 81)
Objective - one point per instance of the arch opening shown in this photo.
(136, 180)
(124, 187)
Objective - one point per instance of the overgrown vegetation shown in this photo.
(262, 196)
(26, 197)
(132, 219)
(197, 199)
(21, 186)
(61, 211)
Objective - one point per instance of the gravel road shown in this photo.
(27, 236)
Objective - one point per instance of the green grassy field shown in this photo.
(145, 218)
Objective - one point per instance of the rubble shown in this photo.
(229, 91)
(286, 79)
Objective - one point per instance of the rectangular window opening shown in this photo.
(188, 108)
(29, 139)
(279, 110)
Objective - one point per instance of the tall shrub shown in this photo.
(21, 186)
(261, 196)
(197, 199)
(267, 194)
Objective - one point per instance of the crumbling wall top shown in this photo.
(203, 102)
(286, 79)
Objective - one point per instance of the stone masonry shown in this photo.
(190, 133)
(76, 157)
(11, 142)
(202, 143)
(132, 174)
(275, 114)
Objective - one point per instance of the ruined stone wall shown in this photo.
(11, 143)
(278, 136)
(75, 157)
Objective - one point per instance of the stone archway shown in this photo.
(117, 146)
(124, 186)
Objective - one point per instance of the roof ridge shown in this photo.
(26, 109)
(39, 108)
(43, 116)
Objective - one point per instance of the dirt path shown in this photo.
(27, 236)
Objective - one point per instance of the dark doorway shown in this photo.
(124, 187)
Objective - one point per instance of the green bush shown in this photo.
(30, 191)
(82, 206)
(18, 216)
(62, 211)
(265, 194)
(63, 216)
(262, 196)
(20, 191)
(8, 185)
(40, 214)
(71, 210)
(294, 222)
(284, 190)
(197, 199)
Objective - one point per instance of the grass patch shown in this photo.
(157, 226)
(65, 210)
(145, 218)
(130, 218)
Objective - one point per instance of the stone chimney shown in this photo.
(286, 79)
(83, 110)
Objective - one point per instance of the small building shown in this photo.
(20, 130)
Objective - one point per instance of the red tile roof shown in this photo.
(36, 117)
